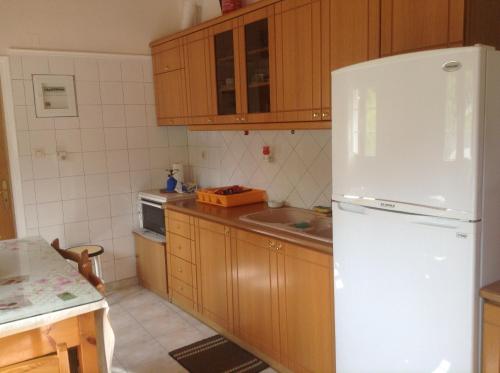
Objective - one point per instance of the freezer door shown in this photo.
(407, 129)
(405, 292)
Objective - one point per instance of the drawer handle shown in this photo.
(315, 115)
(325, 115)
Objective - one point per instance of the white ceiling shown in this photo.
(112, 26)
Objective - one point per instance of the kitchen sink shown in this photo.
(298, 221)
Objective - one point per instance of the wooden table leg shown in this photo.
(87, 350)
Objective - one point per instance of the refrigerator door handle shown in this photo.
(436, 222)
(357, 209)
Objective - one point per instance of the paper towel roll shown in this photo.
(178, 172)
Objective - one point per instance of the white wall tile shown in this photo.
(35, 123)
(44, 141)
(137, 137)
(108, 254)
(69, 140)
(149, 94)
(121, 204)
(50, 214)
(47, 190)
(29, 196)
(26, 166)
(132, 71)
(135, 115)
(29, 93)
(157, 137)
(111, 93)
(45, 167)
(76, 233)
(151, 115)
(72, 165)
(177, 136)
(115, 138)
(73, 187)
(16, 67)
(98, 207)
(61, 65)
(119, 182)
(139, 159)
(94, 162)
(108, 270)
(117, 160)
(109, 70)
(93, 139)
(35, 65)
(23, 143)
(158, 178)
(86, 69)
(88, 93)
(18, 92)
(123, 247)
(53, 232)
(113, 115)
(21, 118)
(147, 70)
(140, 180)
(133, 93)
(65, 123)
(160, 158)
(96, 185)
(31, 216)
(125, 268)
(75, 210)
(90, 116)
(121, 225)
(100, 230)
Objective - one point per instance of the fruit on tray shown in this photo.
(234, 189)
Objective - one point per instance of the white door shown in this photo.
(406, 130)
(405, 292)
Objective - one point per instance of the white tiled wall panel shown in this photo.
(299, 173)
(90, 195)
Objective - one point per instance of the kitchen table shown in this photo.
(44, 301)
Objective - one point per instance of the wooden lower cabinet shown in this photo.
(491, 338)
(213, 264)
(151, 265)
(273, 297)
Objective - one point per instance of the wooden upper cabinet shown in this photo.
(306, 309)
(348, 44)
(170, 89)
(198, 77)
(410, 25)
(256, 316)
(298, 44)
(213, 245)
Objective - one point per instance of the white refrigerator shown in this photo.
(416, 208)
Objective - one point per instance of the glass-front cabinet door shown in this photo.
(258, 84)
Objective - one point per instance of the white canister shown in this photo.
(178, 172)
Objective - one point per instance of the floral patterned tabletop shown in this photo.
(36, 280)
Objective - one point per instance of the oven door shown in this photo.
(152, 217)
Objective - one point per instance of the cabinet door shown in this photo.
(214, 273)
(170, 97)
(258, 65)
(298, 43)
(256, 318)
(409, 25)
(491, 338)
(306, 309)
(151, 265)
(224, 51)
(198, 77)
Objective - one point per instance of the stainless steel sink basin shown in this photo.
(298, 221)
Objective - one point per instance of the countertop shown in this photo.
(491, 292)
(38, 286)
(230, 216)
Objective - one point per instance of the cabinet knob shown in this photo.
(166, 68)
(279, 246)
(271, 243)
(325, 115)
(243, 119)
(226, 231)
(209, 120)
(315, 115)
(238, 119)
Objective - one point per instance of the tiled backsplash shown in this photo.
(300, 171)
(114, 149)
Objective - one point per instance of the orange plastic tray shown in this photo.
(246, 198)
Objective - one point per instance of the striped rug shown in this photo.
(217, 355)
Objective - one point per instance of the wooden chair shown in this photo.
(46, 364)
(84, 265)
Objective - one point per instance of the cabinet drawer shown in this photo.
(179, 227)
(180, 246)
(167, 60)
(183, 289)
(177, 216)
(182, 270)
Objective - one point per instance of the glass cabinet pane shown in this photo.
(224, 64)
(257, 64)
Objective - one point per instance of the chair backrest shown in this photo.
(84, 265)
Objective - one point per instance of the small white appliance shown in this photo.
(416, 208)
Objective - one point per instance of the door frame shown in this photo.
(10, 132)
